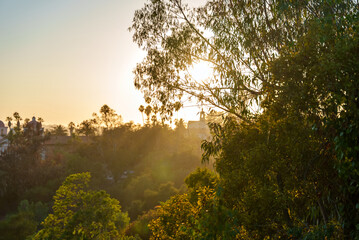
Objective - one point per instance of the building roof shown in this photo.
(65, 140)
(34, 125)
(58, 140)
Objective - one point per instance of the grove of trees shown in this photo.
(285, 147)
(132, 168)
(285, 77)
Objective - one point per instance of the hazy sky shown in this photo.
(63, 59)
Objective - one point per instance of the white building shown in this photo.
(32, 128)
(199, 128)
(3, 133)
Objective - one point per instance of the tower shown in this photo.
(33, 128)
(202, 116)
(3, 129)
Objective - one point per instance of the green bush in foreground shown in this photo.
(83, 214)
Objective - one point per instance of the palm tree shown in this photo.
(141, 109)
(9, 119)
(71, 127)
(148, 111)
(39, 119)
(59, 130)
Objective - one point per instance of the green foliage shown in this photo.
(329, 231)
(21, 167)
(176, 218)
(208, 218)
(130, 238)
(24, 222)
(108, 118)
(140, 227)
(201, 177)
(139, 166)
(293, 159)
(87, 127)
(58, 130)
(272, 175)
(38, 209)
(18, 226)
(80, 213)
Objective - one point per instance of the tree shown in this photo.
(142, 109)
(9, 119)
(199, 179)
(87, 127)
(175, 218)
(139, 227)
(282, 70)
(179, 218)
(17, 118)
(26, 121)
(17, 226)
(83, 214)
(59, 130)
(21, 158)
(238, 48)
(40, 119)
(71, 127)
(108, 117)
(320, 68)
(23, 224)
(240, 39)
(148, 111)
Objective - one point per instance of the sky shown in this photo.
(63, 59)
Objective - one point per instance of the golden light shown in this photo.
(201, 72)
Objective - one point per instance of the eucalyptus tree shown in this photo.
(284, 71)
(238, 39)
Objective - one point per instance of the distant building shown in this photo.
(53, 147)
(3, 141)
(33, 128)
(3, 129)
(56, 146)
(199, 128)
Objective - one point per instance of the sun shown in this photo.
(201, 72)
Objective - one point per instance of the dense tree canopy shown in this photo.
(241, 40)
(285, 75)
(83, 214)
(138, 165)
(285, 80)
